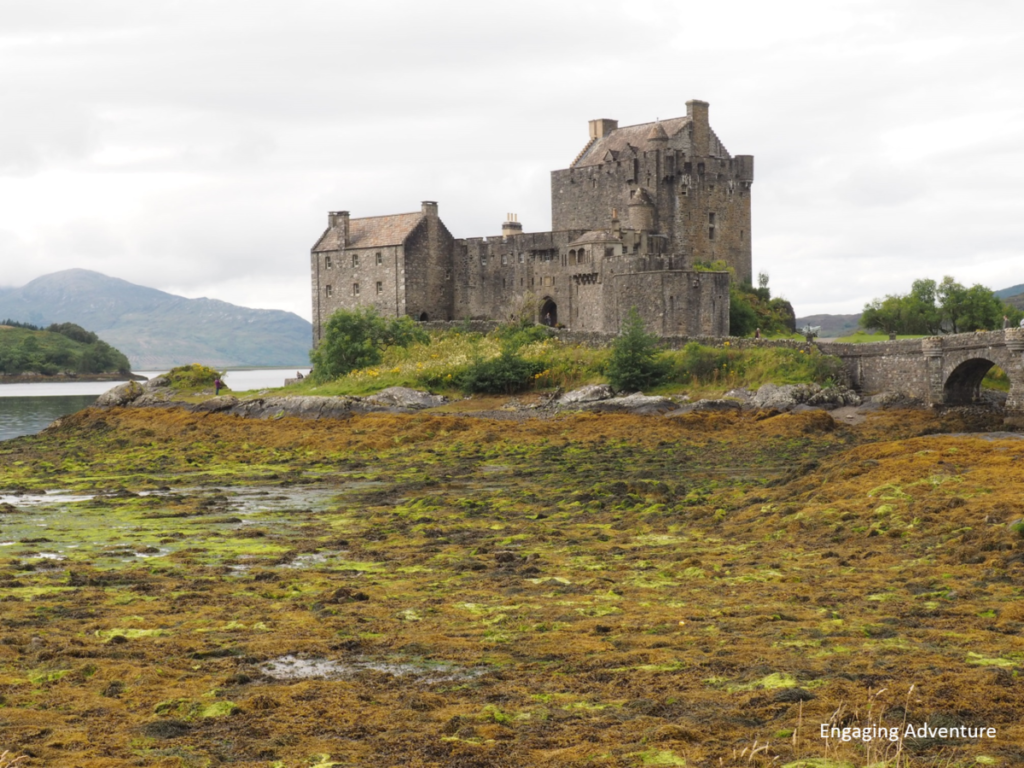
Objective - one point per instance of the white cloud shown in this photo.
(197, 147)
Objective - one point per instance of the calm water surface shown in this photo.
(26, 409)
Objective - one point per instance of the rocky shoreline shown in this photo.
(844, 403)
(39, 378)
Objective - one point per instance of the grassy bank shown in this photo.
(694, 370)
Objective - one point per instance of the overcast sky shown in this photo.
(196, 147)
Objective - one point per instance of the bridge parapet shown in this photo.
(937, 369)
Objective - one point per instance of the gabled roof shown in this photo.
(627, 142)
(371, 232)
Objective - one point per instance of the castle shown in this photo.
(631, 216)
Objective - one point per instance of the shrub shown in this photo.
(521, 333)
(193, 376)
(506, 374)
(635, 363)
(356, 339)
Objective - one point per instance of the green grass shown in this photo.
(862, 337)
(696, 370)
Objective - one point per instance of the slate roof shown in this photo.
(371, 232)
(632, 140)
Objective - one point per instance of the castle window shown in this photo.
(503, 282)
(521, 259)
(380, 287)
(504, 259)
(483, 261)
(711, 218)
(380, 258)
(572, 257)
(328, 291)
(355, 289)
(741, 235)
(711, 233)
(447, 274)
(355, 259)
(609, 252)
(327, 262)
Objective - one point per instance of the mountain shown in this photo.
(159, 330)
(832, 326)
(1013, 290)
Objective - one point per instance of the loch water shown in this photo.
(26, 409)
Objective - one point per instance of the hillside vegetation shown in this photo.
(61, 348)
(158, 330)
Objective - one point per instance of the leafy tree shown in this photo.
(73, 332)
(634, 363)
(933, 308)
(743, 319)
(356, 339)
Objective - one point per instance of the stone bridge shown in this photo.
(941, 370)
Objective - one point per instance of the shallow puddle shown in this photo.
(295, 668)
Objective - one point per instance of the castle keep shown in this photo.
(631, 216)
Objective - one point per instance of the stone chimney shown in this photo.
(697, 111)
(511, 225)
(339, 219)
(603, 127)
(429, 208)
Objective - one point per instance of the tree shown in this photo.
(634, 363)
(933, 308)
(356, 339)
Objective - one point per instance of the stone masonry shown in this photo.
(632, 216)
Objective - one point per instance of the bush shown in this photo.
(506, 374)
(193, 376)
(356, 339)
(521, 333)
(634, 363)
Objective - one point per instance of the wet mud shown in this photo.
(435, 590)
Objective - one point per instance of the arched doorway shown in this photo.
(549, 312)
(963, 386)
(423, 317)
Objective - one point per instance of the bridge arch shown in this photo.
(963, 384)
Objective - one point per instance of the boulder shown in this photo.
(119, 396)
(636, 403)
(404, 397)
(157, 382)
(591, 393)
(301, 407)
(217, 404)
(787, 396)
(716, 405)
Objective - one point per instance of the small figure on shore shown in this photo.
(298, 375)
(1006, 322)
(1022, 322)
(757, 333)
(217, 384)
(547, 320)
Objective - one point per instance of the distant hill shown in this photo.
(159, 330)
(1013, 290)
(832, 326)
